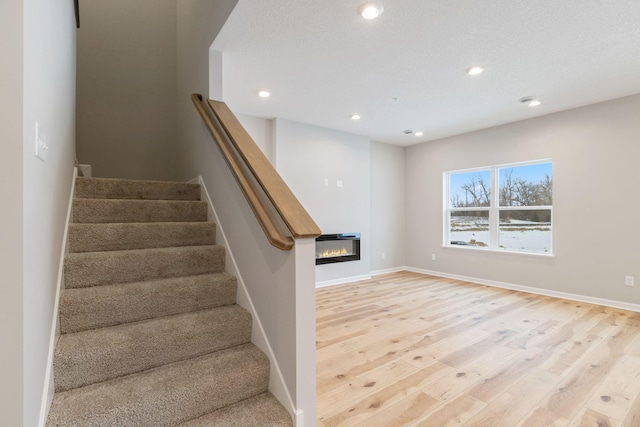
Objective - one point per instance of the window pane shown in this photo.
(525, 231)
(470, 189)
(469, 228)
(526, 185)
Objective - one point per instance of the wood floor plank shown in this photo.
(373, 404)
(542, 417)
(528, 391)
(458, 380)
(616, 394)
(632, 418)
(591, 418)
(402, 413)
(572, 354)
(363, 386)
(453, 413)
(407, 349)
(583, 380)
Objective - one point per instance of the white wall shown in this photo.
(11, 215)
(307, 155)
(387, 206)
(127, 70)
(595, 151)
(49, 99)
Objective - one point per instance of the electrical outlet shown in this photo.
(433, 257)
(629, 281)
(326, 182)
(339, 183)
(383, 255)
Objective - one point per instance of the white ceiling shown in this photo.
(406, 70)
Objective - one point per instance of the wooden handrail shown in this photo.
(284, 201)
(235, 163)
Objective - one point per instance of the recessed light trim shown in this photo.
(370, 10)
(264, 94)
(474, 70)
(355, 117)
(531, 101)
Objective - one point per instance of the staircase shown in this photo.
(150, 332)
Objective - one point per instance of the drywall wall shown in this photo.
(49, 99)
(11, 215)
(387, 207)
(127, 88)
(267, 273)
(305, 156)
(595, 152)
(198, 23)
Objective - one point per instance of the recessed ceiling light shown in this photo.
(264, 94)
(475, 70)
(419, 133)
(531, 101)
(407, 132)
(370, 10)
(355, 117)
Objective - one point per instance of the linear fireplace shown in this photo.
(342, 247)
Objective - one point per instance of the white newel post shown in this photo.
(305, 275)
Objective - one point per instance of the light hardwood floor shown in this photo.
(407, 349)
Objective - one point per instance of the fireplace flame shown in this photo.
(334, 252)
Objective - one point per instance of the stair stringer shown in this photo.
(277, 385)
(48, 388)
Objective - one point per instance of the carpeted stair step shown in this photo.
(108, 305)
(122, 236)
(263, 410)
(88, 357)
(105, 268)
(120, 210)
(167, 395)
(109, 188)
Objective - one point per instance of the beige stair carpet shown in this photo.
(151, 334)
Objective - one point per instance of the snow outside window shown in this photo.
(505, 207)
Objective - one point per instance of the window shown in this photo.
(506, 207)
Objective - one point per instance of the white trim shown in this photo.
(343, 280)
(388, 270)
(277, 385)
(299, 414)
(538, 291)
(497, 251)
(49, 386)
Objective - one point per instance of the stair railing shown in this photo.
(271, 200)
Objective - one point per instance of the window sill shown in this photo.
(496, 251)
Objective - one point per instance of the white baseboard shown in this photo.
(277, 385)
(48, 386)
(388, 270)
(342, 281)
(531, 290)
(86, 170)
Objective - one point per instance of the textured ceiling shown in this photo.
(406, 70)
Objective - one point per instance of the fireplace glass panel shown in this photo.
(335, 248)
(332, 248)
